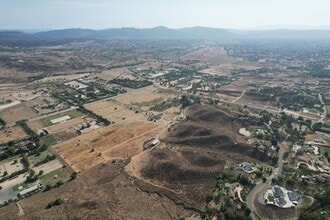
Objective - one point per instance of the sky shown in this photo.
(101, 14)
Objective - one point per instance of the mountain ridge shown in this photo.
(156, 33)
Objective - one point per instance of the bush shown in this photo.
(73, 175)
(56, 202)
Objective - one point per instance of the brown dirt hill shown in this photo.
(206, 126)
(193, 153)
(195, 134)
(212, 128)
(103, 192)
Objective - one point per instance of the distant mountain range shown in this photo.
(291, 27)
(198, 33)
(134, 33)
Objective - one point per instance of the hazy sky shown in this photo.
(99, 14)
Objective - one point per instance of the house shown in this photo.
(154, 143)
(281, 197)
(247, 167)
(278, 192)
(281, 202)
(29, 189)
(294, 197)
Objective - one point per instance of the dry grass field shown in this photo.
(49, 166)
(11, 134)
(120, 140)
(145, 95)
(12, 75)
(64, 77)
(35, 125)
(115, 73)
(17, 113)
(111, 111)
(241, 84)
(211, 55)
(225, 69)
(10, 166)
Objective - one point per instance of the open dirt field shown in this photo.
(17, 113)
(171, 113)
(141, 96)
(311, 137)
(35, 125)
(65, 135)
(64, 77)
(239, 85)
(213, 56)
(227, 68)
(115, 73)
(234, 90)
(13, 75)
(10, 167)
(120, 140)
(151, 63)
(111, 111)
(49, 166)
(12, 133)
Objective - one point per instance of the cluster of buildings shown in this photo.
(281, 197)
(46, 104)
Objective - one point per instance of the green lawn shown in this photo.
(11, 159)
(48, 140)
(37, 85)
(271, 198)
(15, 188)
(73, 114)
(34, 158)
(63, 174)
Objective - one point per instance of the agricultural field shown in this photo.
(11, 134)
(212, 56)
(144, 96)
(120, 140)
(17, 113)
(35, 125)
(10, 166)
(111, 111)
(47, 121)
(116, 73)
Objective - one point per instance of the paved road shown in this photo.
(324, 115)
(7, 188)
(261, 187)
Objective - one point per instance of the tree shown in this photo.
(73, 175)
(59, 183)
(47, 187)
